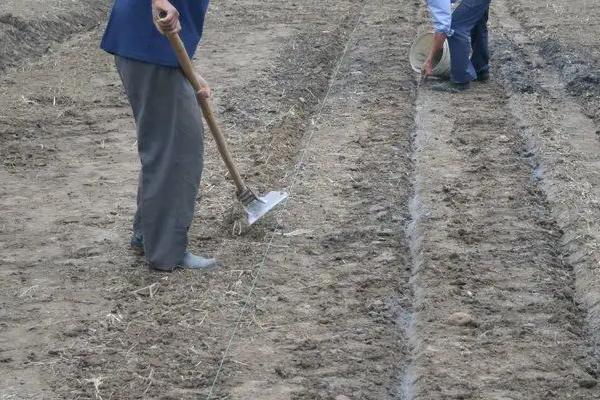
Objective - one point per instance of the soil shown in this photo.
(434, 246)
(565, 37)
(28, 27)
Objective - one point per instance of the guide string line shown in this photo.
(290, 189)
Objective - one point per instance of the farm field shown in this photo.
(434, 246)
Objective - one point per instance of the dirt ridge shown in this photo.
(25, 39)
(571, 49)
(562, 146)
(477, 297)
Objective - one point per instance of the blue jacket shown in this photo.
(131, 31)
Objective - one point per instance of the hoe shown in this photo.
(255, 206)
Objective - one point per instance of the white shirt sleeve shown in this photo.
(441, 13)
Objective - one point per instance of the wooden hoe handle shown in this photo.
(188, 70)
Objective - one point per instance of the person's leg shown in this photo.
(170, 146)
(468, 14)
(137, 238)
(479, 43)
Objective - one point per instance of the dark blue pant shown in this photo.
(469, 22)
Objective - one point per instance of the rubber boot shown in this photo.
(190, 261)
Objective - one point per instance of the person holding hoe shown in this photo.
(467, 34)
(168, 121)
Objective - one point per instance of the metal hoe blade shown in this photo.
(259, 206)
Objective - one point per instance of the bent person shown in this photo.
(467, 33)
(168, 121)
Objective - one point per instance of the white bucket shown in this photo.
(419, 52)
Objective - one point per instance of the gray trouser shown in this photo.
(170, 145)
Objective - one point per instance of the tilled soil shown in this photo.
(434, 246)
(28, 28)
(496, 313)
(565, 37)
(117, 330)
